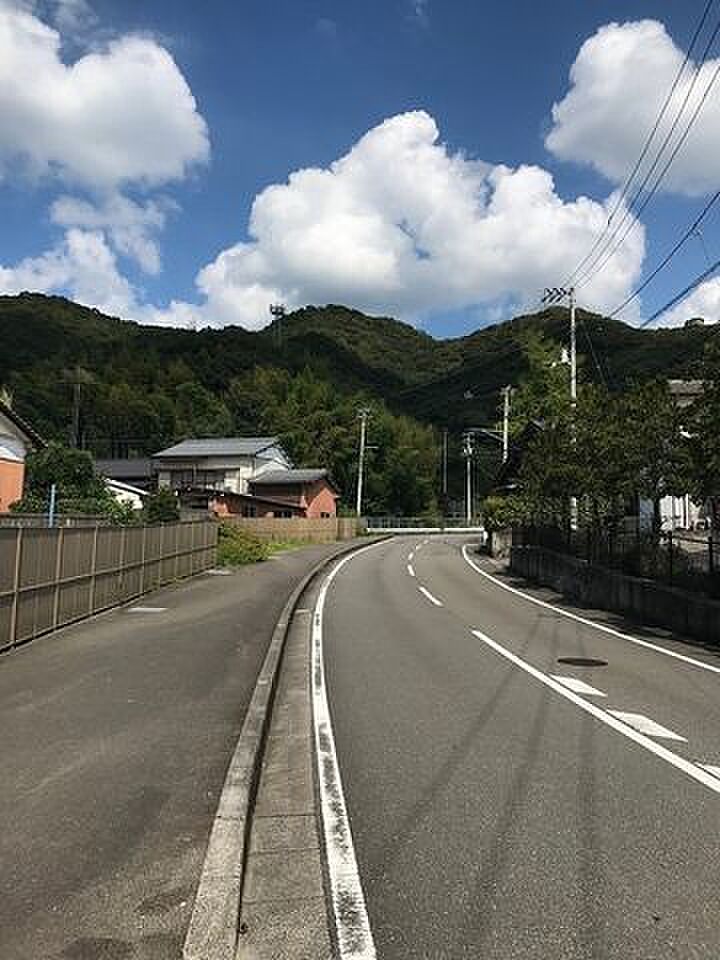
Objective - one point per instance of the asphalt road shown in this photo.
(495, 816)
(114, 740)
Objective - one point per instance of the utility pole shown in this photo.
(363, 413)
(506, 423)
(467, 453)
(278, 310)
(554, 295)
(444, 463)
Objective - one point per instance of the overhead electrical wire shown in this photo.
(634, 221)
(632, 211)
(646, 146)
(666, 260)
(693, 285)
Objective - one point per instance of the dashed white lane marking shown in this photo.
(695, 771)
(711, 768)
(147, 609)
(411, 570)
(430, 597)
(579, 686)
(410, 556)
(588, 623)
(643, 724)
(354, 936)
(219, 572)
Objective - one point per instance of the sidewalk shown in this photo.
(116, 738)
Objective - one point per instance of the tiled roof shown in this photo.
(220, 447)
(278, 477)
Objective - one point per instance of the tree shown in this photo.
(656, 449)
(161, 507)
(78, 487)
(703, 442)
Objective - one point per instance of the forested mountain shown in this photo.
(141, 387)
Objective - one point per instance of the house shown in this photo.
(126, 494)
(223, 464)
(135, 471)
(227, 504)
(17, 439)
(312, 490)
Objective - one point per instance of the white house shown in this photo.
(222, 463)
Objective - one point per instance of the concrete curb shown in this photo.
(213, 930)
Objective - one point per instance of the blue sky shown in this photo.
(284, 85)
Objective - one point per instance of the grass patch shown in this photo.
(281, 546)
(236, 546)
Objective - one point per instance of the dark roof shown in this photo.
(122, 468)
(287, 477)
(220, 447)
(22, 425)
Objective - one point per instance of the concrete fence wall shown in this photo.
(52, 577)
(314, 530)
(679, 610)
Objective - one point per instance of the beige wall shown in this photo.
(316, 530)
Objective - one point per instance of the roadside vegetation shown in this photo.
(237, 547)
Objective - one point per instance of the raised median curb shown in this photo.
(213, 930)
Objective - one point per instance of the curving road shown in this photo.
(504, 803)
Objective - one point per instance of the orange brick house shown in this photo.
(17, 439)
(312, 490)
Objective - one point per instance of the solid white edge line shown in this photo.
(588, 623)
(711, 768)
(430, 597)
(352, 925)
(411, 570)
(685, 766)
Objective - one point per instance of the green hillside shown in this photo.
(143, 387)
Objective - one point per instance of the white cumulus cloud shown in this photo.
(83, 265)
(402, 225)
(132, 227)
(118, 115)
(618, 83)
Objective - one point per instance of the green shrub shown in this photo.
(161, 507)
(236, 546)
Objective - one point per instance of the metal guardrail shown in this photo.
(423, 525)
(52, 577)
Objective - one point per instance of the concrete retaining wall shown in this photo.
(678, 610)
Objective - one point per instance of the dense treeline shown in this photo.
(611, 449)
(141, 388)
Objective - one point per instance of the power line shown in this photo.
(610, 249)
(646, 146)
(683, 293)
(663, 263)
(634, 222)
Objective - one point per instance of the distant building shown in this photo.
(311, 490)
(226, 464)
(135, 471)
(17, 439)
(126, 493)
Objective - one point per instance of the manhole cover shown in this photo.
(582, 661)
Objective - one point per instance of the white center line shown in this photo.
(411, 570)
(695, 771)
(643, 724)
(431, 598)
(579, 686)
(588, 623)
(147, 609)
